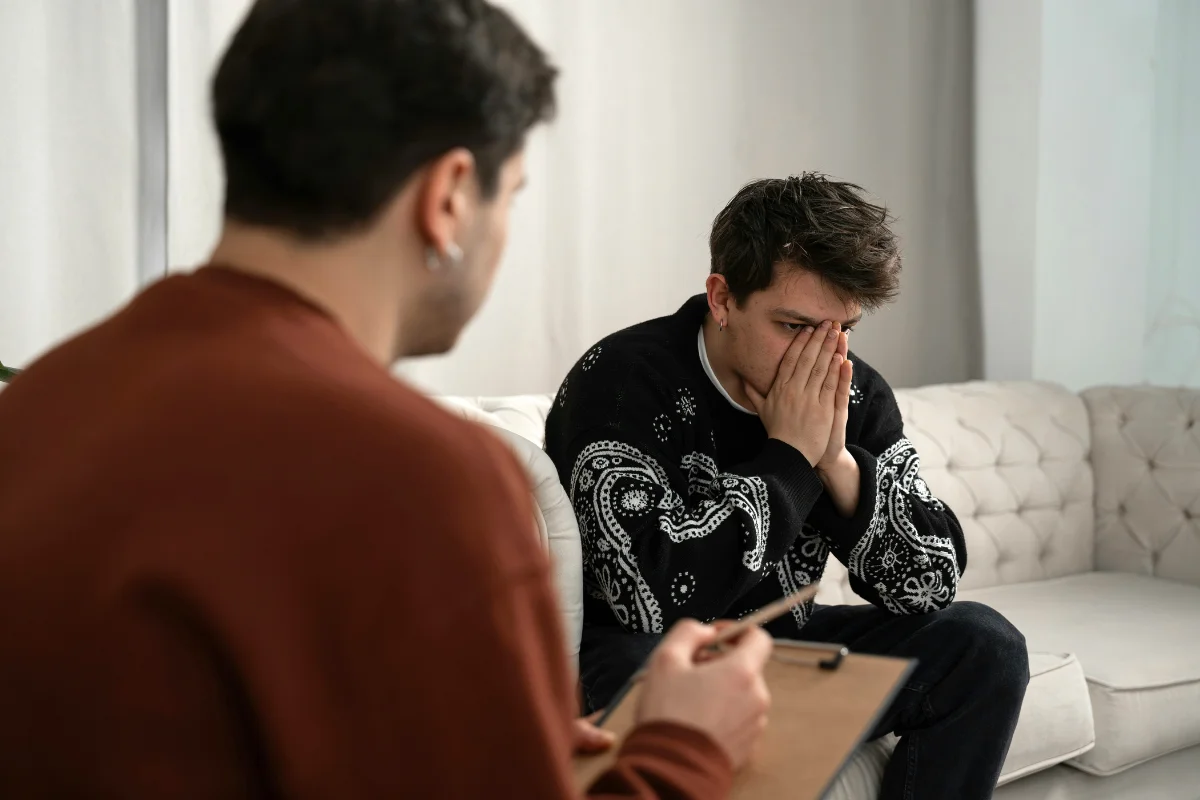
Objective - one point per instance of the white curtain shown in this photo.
(667, 107)
(199, 32)
(69, 167)
(1088, 160)
(1172, 346)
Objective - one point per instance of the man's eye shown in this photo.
(792, 327)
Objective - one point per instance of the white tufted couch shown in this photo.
(1082, 517)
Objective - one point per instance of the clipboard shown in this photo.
(825, 701)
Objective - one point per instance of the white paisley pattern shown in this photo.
(802, 565)
(686, 404)
(562, 392)
(683, 588)
(912, 572)
(613, 484)
(591, 357)
(662, 428)
(748, 495)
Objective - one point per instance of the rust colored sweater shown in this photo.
(238, 559)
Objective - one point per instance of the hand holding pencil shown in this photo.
(726, 696)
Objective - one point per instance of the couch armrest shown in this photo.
(1146, 459)
(554, 519)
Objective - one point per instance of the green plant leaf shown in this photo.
(7, 373)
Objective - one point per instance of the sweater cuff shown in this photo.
(683, 757)
(797, 479)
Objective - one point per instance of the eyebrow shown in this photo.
(798, 317)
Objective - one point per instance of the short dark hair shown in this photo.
(324, 108)
(814, 223)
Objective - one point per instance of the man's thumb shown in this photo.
(684, 639)
(590, 739)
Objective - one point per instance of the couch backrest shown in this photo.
(1011, 459)
(1146, 455)
(524, 415)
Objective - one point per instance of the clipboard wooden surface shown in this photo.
(817, 719)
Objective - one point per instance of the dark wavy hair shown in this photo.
(811, 222)
(325, 108)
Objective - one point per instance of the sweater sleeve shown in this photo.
(667, 535)
(662, 759)
(903, 547)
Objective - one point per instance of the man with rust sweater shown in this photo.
(237, 558)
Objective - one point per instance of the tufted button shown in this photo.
(1121, 510)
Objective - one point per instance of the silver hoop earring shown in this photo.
(435, 261)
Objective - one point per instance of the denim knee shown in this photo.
(992, 643)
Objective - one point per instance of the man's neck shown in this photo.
(716, 347)
(344, 279)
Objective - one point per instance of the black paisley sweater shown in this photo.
(687, 509)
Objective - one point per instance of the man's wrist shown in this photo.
(842, 464)
(840, 477)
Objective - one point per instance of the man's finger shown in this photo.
(808, 356)
(704, 654)
(841, 405)
(822, 357)
(845, 378)
(844, 344)
(787, 367)
(680, 644)
(753, 648)
(587, 738)
(832, 379)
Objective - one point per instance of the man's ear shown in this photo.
(444, 201)
(720, 300)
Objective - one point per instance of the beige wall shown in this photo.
(668, 107)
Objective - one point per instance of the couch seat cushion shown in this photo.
(1138, 640)
(1056, 717)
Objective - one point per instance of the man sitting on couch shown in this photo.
(717, 456)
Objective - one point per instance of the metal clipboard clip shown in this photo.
(836, 652)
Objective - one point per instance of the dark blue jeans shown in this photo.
(955, 716)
